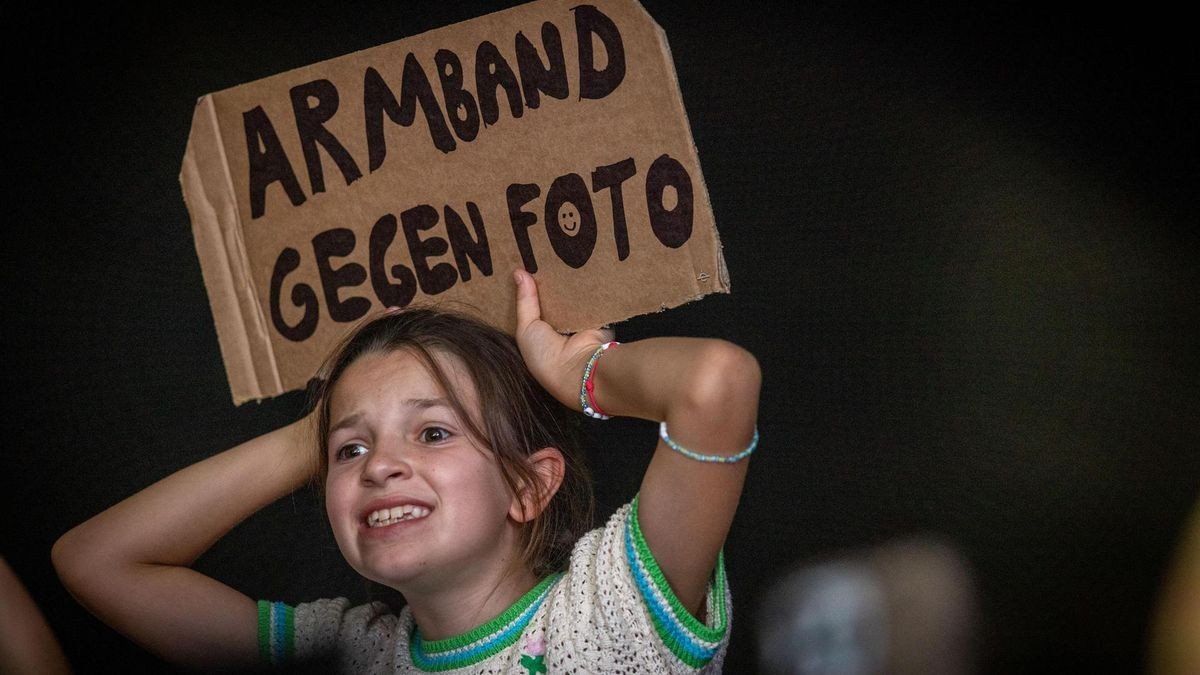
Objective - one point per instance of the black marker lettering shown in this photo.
(302, 296)
(594, 83)
(570, 220)
(611, 177)
(491, 71)
(441, 276)
(398, 294)
(460, 104)
(467, 248)
(672, 227)
(535, 77)
(414, 88)
(518, 195)
(268, 162)
(310, 124)
(339, 242)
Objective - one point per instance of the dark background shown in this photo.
(961, 244)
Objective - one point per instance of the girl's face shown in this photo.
(413, 501)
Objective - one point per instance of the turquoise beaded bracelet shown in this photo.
(718, 459)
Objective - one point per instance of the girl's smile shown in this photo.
(391, 517)
(386, 517)
(415, 503)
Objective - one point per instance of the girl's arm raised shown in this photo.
(130, 564)
(705, 390)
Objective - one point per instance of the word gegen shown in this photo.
(567, 214)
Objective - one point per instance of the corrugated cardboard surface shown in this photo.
(641, 120)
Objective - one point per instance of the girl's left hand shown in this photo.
(556, 360)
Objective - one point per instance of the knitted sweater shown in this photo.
(612, 611)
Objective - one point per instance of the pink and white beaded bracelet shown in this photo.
(587, 391)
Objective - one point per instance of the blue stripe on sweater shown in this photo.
(468, 655)
(661, 613)
(278, 628)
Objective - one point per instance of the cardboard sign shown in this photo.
(550, 136)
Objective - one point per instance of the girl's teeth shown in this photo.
(385, 517)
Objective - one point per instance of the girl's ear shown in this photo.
(548, 468)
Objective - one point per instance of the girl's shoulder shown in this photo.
(614, 603)
(326, 625)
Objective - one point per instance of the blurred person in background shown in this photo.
(1175, 638)
(907, 608)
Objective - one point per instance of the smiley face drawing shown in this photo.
(568, 218)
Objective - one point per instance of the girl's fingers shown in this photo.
(555, 360)
(529, 308)
(529, 311)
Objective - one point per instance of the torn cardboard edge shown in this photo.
(245, 349)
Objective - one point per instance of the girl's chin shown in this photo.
(402, 567)
(395, 574)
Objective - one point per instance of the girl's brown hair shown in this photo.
(517, 416)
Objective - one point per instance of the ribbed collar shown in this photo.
(483, 642)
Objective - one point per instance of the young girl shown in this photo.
(447, 478)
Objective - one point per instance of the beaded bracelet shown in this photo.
(587, 394)
(719, 459)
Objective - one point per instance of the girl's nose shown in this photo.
(387, 460)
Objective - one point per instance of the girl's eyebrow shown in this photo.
(348, 421)
(418, 403)
(424, 403)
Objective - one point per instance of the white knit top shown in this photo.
(612, 611)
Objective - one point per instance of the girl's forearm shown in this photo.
(176, 519)
(129, 564)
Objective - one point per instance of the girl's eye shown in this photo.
(350, 451)
(434, 435)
